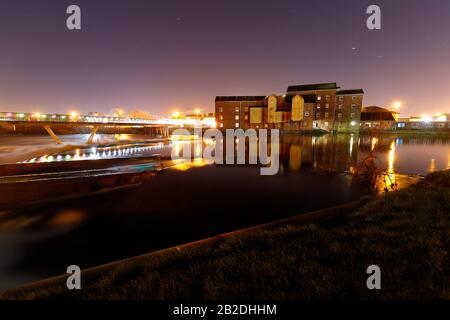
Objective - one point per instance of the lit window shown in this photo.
(246, 117)
(237, 117)
(246, 109)
(326, 114)
(237, 125)
(353, 123)
(319, 98)
(221, 117)
(340, 106)
(339, 115)
(221, 125)
(220, 109)
(327, 105)
(327, 98)
(236, 109)
(318, 106)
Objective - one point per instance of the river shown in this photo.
(186, 203)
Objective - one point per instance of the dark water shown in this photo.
(180, 205)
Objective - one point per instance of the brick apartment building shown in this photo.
(307, 107)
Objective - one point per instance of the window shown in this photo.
(339, 115)
(326, 114)
(246, 109)
(354, 105)
(236, 109)
(327, 98)
(266, 125)
(340, 106)
(401, 125)
(353, 97)
(317, 115)
(246, 117)
(319, 98)
(318, 106)
(306, 114)
(327, 106)
(237, 125)
(341, 98)
(237, 117)
(221, 117)
(220, 109)
(352, 115)
(221, 125)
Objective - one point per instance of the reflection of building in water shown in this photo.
(322, 106)
(328, 153)
(295, 157)
(432, 167)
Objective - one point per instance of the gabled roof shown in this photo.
(240, 98)
(314, 86)
(377, 113)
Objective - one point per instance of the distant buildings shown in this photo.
(309, 107)
(377, 118)
(439, 121)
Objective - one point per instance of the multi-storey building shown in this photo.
(302, 108)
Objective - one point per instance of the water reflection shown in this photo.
(327, 153)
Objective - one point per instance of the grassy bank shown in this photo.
(405, 233)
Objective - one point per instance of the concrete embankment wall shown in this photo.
(14, 194)
(72, 129)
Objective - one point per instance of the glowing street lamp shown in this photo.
(176, 114)
(73, 115)
(397, 105)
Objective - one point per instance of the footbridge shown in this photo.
(94, 123)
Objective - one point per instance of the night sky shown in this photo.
(165, 55)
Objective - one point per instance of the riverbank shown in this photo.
(405, 233)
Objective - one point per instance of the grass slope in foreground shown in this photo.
(406, 233)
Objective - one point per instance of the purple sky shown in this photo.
(164, 55)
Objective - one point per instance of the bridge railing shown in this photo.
(66, 118)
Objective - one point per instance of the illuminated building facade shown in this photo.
(440, 121)
(308, 107)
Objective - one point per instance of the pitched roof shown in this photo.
(377, 113)
(315, 86)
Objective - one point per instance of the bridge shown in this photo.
(47, 121)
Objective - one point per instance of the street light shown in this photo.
(397, 105)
